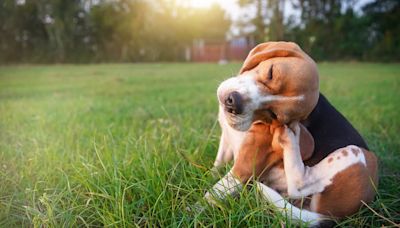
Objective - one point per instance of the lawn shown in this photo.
(131, 144)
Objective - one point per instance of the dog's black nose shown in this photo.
(233, 103)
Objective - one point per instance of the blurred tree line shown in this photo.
(161, 30)
(331, 29)
(103, 30)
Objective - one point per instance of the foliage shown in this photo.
(268, 19)
(333, 30)
(95, 145)
(382, 18)
(104, 30)
(161, 30)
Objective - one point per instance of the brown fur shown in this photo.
(349, 187)
(355, 152)
(261, 151)
(256, 155)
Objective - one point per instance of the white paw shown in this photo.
(290, 136)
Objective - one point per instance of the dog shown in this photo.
(282, 133)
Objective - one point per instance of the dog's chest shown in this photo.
(275, 178)
(235, 137)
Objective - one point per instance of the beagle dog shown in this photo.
(283, 134)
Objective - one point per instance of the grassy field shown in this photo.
(130, 144)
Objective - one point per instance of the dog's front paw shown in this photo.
(289, 137)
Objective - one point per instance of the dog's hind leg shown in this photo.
(288, 209)
(230, 185)
(339, 184)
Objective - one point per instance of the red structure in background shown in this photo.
(218, 51)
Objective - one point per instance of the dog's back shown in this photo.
(330, 130)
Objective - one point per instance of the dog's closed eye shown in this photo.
(270, 72)
(265, 80)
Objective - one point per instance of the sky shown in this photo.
(234, 11)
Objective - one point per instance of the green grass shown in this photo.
(130, 144)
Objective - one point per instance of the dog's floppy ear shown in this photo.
(269, 50)
(306, 143)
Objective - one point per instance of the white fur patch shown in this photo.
(228, 185)
(276, 179)
(244, 84)
(233, 138)
(281, 98)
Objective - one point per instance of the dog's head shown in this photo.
(277, 81)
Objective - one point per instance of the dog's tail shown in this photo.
(311, 218)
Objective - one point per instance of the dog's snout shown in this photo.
(234, 103)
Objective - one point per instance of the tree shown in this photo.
(268, 19)
(332, 30)
(383, 27)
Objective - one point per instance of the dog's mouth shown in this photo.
(242, 122)
(238, 122)
(265, 115)
(272, 115)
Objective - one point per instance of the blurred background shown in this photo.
(86, 31)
